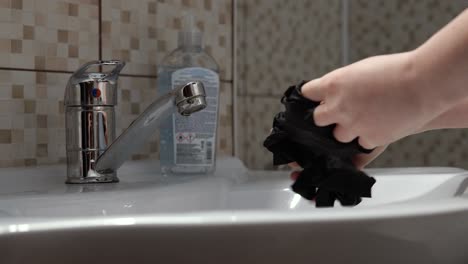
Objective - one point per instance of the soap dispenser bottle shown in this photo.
(188, 145)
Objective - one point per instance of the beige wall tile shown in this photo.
(17, 136)
(6, 121)
(30, 119)
(63, 34)
(142, 34)
(35, 28)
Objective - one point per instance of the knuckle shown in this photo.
(332, 83)
(321, 115)
(340, 134)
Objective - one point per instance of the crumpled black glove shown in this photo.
(328, 172)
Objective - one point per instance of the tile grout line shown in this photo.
(100, 32)
(344, 32)
(33, 70)
(234, 77)
(70, 72)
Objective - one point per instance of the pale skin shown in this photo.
(382, 99)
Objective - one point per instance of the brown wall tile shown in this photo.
(17, 91)
(5, 136)
(62, 36)
(29, 106)
(17, 4)
(73, 51)
(17, 135)
(16, 46)
(28, 32)
(73, 9)
(41, 150)
(41, 121)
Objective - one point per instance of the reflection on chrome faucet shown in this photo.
(93, 153)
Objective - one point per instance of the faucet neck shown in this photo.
(186, 100)
(92, 153)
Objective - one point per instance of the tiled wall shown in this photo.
(43, 42)
(279, 43)
(282, 42)
(378, 27)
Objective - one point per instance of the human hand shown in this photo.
(378, 99)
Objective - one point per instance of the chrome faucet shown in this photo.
(93, 153)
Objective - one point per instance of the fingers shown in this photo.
(361, 160)
(313, 90)
(322, 116)
(366, 144)
(294, 165)
(342, 134)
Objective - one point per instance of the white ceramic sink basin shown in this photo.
(416, 215)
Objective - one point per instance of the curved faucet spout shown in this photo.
(93, 156)
(186, 100)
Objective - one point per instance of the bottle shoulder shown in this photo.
(181, 58)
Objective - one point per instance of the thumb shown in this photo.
(361, 160)
(313, 90)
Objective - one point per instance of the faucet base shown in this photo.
(81, 168)
(98, 179)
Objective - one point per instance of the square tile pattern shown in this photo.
(50, 34)
(380, 27)
(49, 39)
(256, 114)
(279, 43)
(61, 35)
(282, 42)
(32, 125)
(143, 32)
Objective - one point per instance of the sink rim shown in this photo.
(404, 209)
(239, 217)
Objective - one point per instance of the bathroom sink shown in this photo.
(416, 215)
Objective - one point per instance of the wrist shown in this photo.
(427, 88)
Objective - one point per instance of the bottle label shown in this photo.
(195, 135)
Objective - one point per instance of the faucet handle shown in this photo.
(81, 73)
(93, 88)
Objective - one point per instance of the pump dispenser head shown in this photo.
(189, 36)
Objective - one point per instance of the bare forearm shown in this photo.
(456, 117)
(442, 65)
